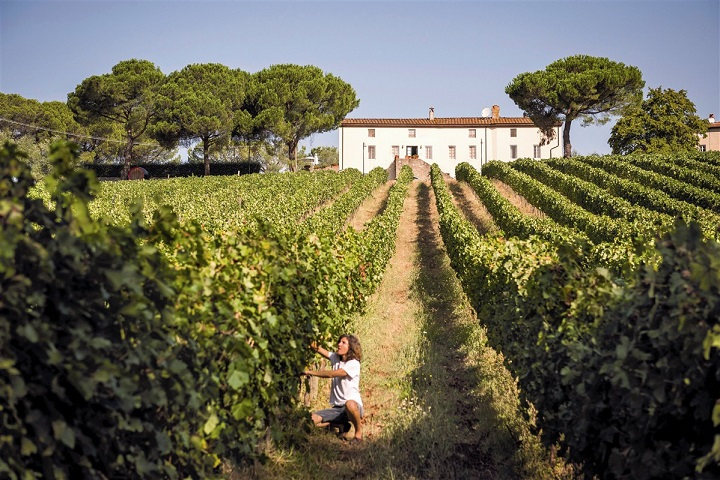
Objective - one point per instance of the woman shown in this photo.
(345, 390)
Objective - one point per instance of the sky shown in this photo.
(401, 57)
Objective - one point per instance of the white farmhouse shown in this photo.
(366, 143)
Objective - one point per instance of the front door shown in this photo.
(411, 150)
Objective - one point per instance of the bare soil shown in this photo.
(393, 312)
(466, 458)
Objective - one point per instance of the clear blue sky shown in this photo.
(401, 57)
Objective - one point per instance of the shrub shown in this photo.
(93, 383)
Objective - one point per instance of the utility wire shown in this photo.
(37, 127)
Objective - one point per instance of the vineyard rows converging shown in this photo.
(157, 329)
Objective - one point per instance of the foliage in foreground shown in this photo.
(93, 381)
(639, 371)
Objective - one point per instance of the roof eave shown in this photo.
(424, 123)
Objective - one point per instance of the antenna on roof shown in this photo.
(485, 112)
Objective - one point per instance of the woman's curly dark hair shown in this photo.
(354, 348)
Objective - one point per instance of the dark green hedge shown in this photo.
(156, 170)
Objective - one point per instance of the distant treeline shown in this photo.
(138, 115)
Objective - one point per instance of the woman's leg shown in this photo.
(318, 421)
(353, 411)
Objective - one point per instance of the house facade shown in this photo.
(711, 142)
(366, 143)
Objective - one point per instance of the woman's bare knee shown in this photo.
(353, 408)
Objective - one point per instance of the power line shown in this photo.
(37, 127)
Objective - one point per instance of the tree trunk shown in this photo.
(292, 155)
(206, 154)
(567, 148)
(127, 157)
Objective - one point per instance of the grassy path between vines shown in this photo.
(371, 207)
(439, 403)
(517, 200)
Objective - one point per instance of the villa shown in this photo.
(366, 143)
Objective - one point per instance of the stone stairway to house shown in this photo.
(420, 168)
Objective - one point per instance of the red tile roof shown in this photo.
(438, 122)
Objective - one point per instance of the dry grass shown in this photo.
(467, 202)
(373, 205)
(518, 200)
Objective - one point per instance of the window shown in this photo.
(473, 152)
(471, 133)
(371, 152)
(513, 132)
(395, 150)
(452, 152)
(428, 152)
(411, 132)
(702, 148)
(371, 132)
(513, 151)
(536, 151)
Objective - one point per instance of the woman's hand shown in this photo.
(318, 349)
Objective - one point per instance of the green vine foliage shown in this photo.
(677, 189)
(594, 199)
(707, 158)
(652, 370)
(685, 170)
(599, 228)
(93, 381)
(251, 301)
(509, 218)
(333, 218)
(624, 370)
(639, 194)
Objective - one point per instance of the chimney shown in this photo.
(496, 112)
(711, 118)
(431, 114)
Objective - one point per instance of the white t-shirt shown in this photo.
(347, 387)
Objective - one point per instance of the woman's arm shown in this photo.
(320, 350)
(325, 373)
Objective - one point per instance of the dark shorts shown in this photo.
(336, 414)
